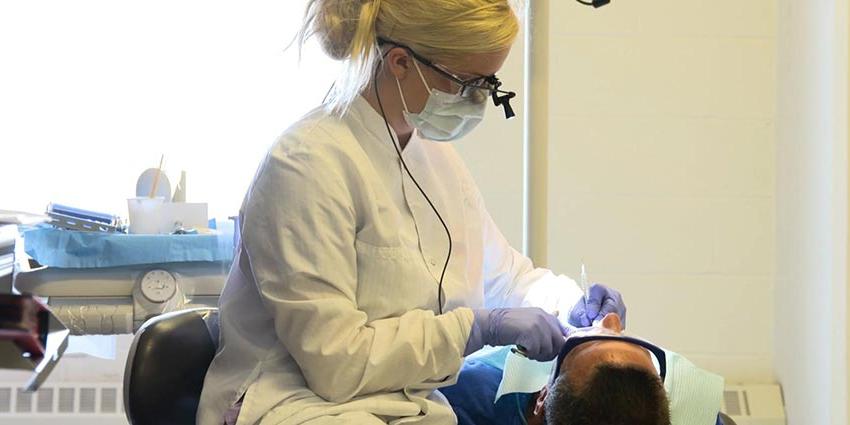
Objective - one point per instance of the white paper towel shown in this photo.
(522, 375)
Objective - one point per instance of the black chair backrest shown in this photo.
(726, 419)
(166, 367)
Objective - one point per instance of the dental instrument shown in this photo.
(585, 288)
(71, 218)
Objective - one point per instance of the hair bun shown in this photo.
(335, 24)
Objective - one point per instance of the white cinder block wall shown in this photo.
(661, 170)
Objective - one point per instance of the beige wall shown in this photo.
(698, 161)
(662, 169)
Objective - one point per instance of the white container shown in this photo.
(188, 215)
(145, 215)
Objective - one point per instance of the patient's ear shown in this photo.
(539, 408)
(613, 322)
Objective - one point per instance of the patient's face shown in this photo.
(580, 362)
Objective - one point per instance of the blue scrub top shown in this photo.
(472, 397)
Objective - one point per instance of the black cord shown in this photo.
(595, 3)
(404, 165)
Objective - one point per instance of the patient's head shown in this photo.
(605, 382)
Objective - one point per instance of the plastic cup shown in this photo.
(145, 215)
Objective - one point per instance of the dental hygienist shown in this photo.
(368, 266)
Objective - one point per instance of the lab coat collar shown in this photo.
(372, 121)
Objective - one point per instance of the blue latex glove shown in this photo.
(539, 333)
(602, 300)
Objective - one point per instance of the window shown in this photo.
(92, 92)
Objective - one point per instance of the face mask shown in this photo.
(446, 117)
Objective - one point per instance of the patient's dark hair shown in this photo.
(614, 395)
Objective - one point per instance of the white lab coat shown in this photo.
(330, 307)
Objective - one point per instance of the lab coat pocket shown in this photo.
(392, 281)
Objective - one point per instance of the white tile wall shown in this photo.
(662, 170)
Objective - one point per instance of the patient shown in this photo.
(601, 378)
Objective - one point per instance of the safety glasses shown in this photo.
(478, 89)
(597, 334)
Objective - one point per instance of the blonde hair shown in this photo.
(440, 30)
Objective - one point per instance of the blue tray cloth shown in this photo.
(76, 250)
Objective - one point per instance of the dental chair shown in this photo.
(726, 419)
(166, 366)
(167, 363)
